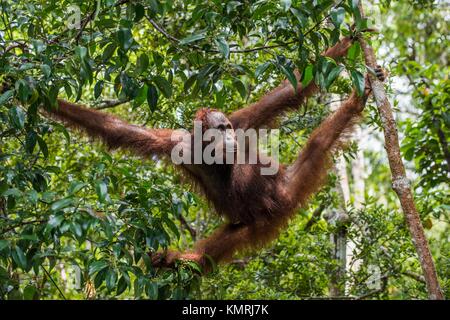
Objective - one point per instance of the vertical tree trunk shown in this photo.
(358, 193)
(400, 182)
(339, 217)
(338, 282)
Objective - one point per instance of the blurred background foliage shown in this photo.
(78, 222)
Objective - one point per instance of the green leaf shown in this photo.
(320, 79)
(43, 146)
(261, 69)
(98, 88)
(155, 8)
(289, 73)
(46, 70)
(157, 59)
(6, 96)
(353, 52)
(81, 52)
(31, 237)
(307, 75)
(152, 97)
(98, 280)
(240, 87)
(12, 192)
(223, 47)
(190, 82)
(102, 190)
(29, 292)
(121, 286)
(19, 257)
(125, 38)
(30, 141)
(3, 244)
(152, 290)
(76, 186)
(232, 5)
(337, 16)
(332, 75)
(356, 13)
(17, 117)
(138, 284)
(172, 227)
(286, 4)
(192, 38)
(38, 45)
(108, 52)
(139, 12)
(23, 90)
(163, 85)
(61, 204)
(97, 266)
(358, 81)
(111, 279)
(142, 63)
(302, 19)
(354, 4)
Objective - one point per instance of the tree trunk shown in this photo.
(400, 182)
(339, 218)
(358, 192)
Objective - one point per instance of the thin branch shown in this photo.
(14, 46)
(105, 104)
(177, 41)
(444, 145)
(396, 267)
(22, 224)
(54, 283)
(241, 263)
(384, 280)
(162, 30)
(84, 23)
(191, 230)
(415, 276)
(315, 217)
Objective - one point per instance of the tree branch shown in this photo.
(382, 288)
(105, 104)
(314, 217)
(191, 230)
(54, 283)
(177, 41)
(400, 182)
(444, 146)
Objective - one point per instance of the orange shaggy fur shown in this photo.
(256, 207)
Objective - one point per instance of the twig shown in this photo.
(377, 291)
(177, 41)
(105, 104)
(84, 23)
(13, 46)
(191, 230)
(22, 224)
(53, 281)
(396, 268)
(415, 276)
(315, 217)
(241, 263)
(444, 145)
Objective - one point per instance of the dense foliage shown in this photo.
(77, 221)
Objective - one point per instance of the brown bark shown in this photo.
(400, 182)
